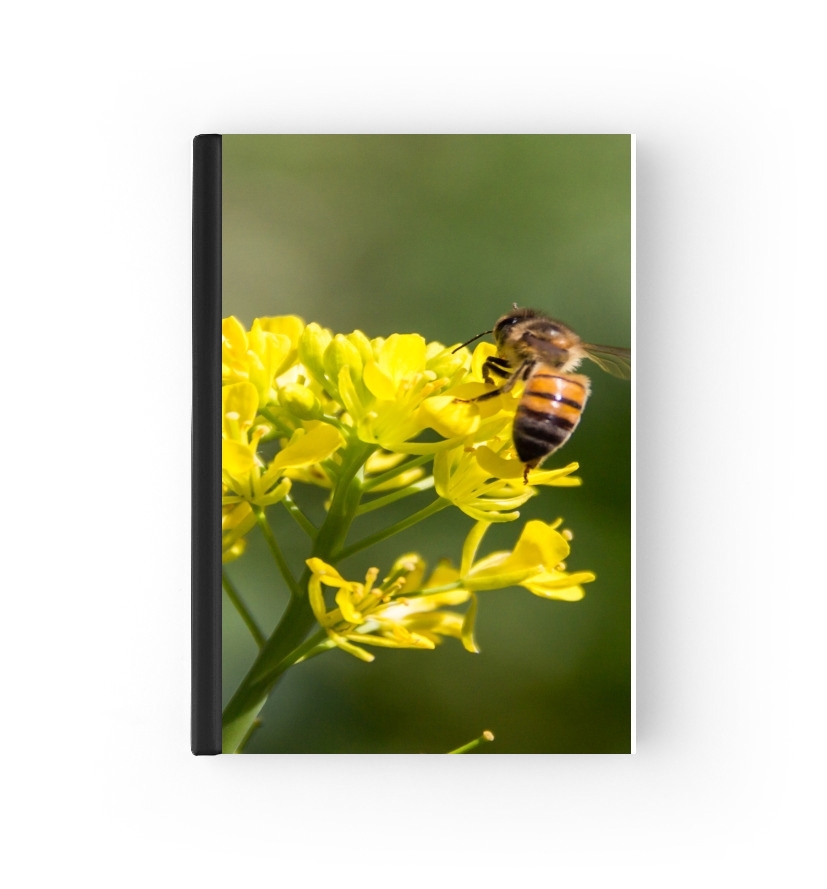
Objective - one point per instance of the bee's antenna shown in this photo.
(471, 340)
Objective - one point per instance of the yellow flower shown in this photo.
(260, 355)
(392, 389)
(289, 326)
(306, 448)
(237, 520)
(247, 481)
(536, 563)
(312, 345)
(401, 612)
(486, 485)
(383, 615)
(301, 383)
(240, 435)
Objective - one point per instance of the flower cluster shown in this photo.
(316, 393)
(407, 611)
(373, 421)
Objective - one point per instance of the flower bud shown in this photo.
(300, 401)
(312, 345)
(342, 353)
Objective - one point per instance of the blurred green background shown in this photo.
(439, 235)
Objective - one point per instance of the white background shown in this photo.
(100, 105)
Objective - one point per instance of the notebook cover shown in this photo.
(412, 469)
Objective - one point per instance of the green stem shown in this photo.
(423, 484)
(432, 591)
(320, 647)
(391, 474)
(298, 619)
(242, 609)
(280, 429)
(337, 424)
(275, 549)
(251, 695)
(305, 651)
(433, 508)
(344, 505)
(471, 745)
(301, 519)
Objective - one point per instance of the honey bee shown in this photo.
(543, 353)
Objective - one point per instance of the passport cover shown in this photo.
(412, 480)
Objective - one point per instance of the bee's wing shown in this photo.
(617, 362)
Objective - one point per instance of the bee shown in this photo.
(542, 353)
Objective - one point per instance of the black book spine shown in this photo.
(206, 445)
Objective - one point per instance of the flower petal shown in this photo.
(449, 417)
(540, 545)
(402, 355)
(307, 448)
(467, 637)
(236, 458)
(557, 585)
(379, 383)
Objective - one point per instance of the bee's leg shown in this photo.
(501, 368)
(527, 468)
(495, 366)
(522, 372)
(506, 387)
(484, 397)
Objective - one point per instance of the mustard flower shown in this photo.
(237, 520)
(241, 434)
(392, 389)
(365, 418)
(486, 485)
(383, 615)
(261, 354)
(247, 482)
(536, 563)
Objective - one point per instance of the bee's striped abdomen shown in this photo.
(548, 412)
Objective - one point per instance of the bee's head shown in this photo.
(505, 325)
